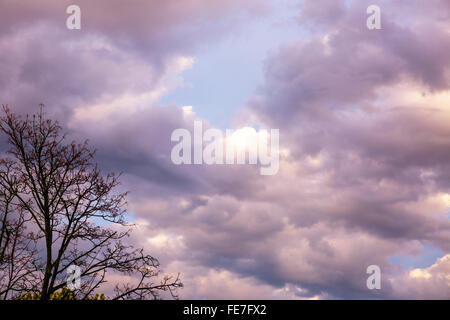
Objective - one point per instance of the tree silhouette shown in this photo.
(54, 205)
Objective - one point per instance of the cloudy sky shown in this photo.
(364, 120)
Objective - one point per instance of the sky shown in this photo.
(363, 116)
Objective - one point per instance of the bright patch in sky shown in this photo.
(224, 75)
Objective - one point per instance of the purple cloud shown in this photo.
(364, 137)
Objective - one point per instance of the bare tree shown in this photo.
(17, 246)
(58, 193)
